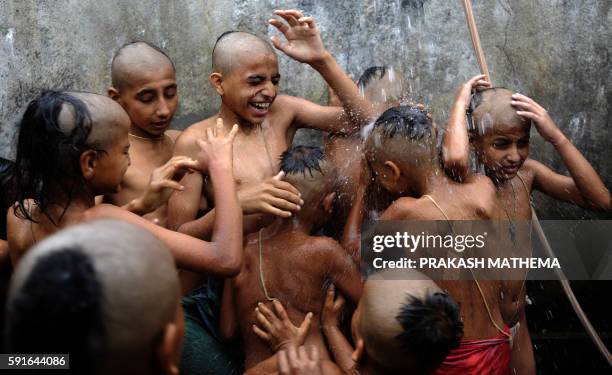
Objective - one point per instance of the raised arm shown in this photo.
(304, 44)
(584, 187)
(222, 256)
(456, 145)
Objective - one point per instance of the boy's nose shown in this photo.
(269, 90)
(513, 155)
(162, 109)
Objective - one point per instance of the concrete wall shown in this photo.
(557, 51)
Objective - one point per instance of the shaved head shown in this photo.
(309, 171)
(402, 313)
(107, 118)
(133, 59)
(492, 108)
(120, 276)
(235, 47)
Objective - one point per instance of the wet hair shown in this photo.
(116, 80)
(432, 327)
(407, 121)
(373, 72)
(58, 310)
(47, 154)
(500, 111)
(302, 159)
(6, 191)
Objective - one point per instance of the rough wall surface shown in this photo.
(557, 51)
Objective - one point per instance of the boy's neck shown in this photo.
(230, 118)
(427, 181)
(294, 223)
(137, 133)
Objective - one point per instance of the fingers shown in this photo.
(280, 310)
(210, 135)
(476, 79)
(201, 143)
(283, 204)
(171, 184)
(268, 208)
(277, 183)
(305, 326)
(263, 321)
(219, 129)
(288, 196)
(261, 334)
(329, 297)
(278, 45)
(269, 314)
(294, 12)
(302, 353)
(339, 302)
(233, 132)
(289, 16)
(283, 363)
(279, 176)
(280, 26)
(528, 115)
(309, 21)
(314, 354)
(292, 356)
(187, 163)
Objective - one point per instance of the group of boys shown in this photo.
(288, 273)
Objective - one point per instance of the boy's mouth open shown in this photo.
(511, 170)
(259, 109)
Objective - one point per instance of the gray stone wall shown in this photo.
(557, 51)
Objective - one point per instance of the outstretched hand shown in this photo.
(216, 149)
(304, 42)
(164, 181)
(530, 110)
(277, 330)
(272, 196)
(332, 308)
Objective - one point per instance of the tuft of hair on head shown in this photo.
(432, 327)
(58, 310)
(373, 72)
(302, 159)
(491, 107)
(408, 121)
(131, 51)
(46, 152)
(232, 42)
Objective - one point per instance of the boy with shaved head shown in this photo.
(402, 153)
(285, 263)
(106, 293)
(403, 324)
(144, 83)
(246, 77)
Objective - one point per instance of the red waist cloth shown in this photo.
(479, 357)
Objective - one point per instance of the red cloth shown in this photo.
(479, 357)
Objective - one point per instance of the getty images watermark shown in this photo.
(494, 250)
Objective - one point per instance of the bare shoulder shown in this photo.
(402, 208)
(173, 134)
(18, 232)
(532, 167)
(185, 142)
(284, 109)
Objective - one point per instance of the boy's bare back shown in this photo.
(296, 270)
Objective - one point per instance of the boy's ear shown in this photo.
(328, 202)
(113, 94)
(166, 352)
(216, 80)
(359, 351)
(472, 139)
(392, 170)
(88, 162)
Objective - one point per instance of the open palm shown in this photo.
(304, 42)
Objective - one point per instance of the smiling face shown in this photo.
(150, 98)
(249, 89)
(503, 149)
